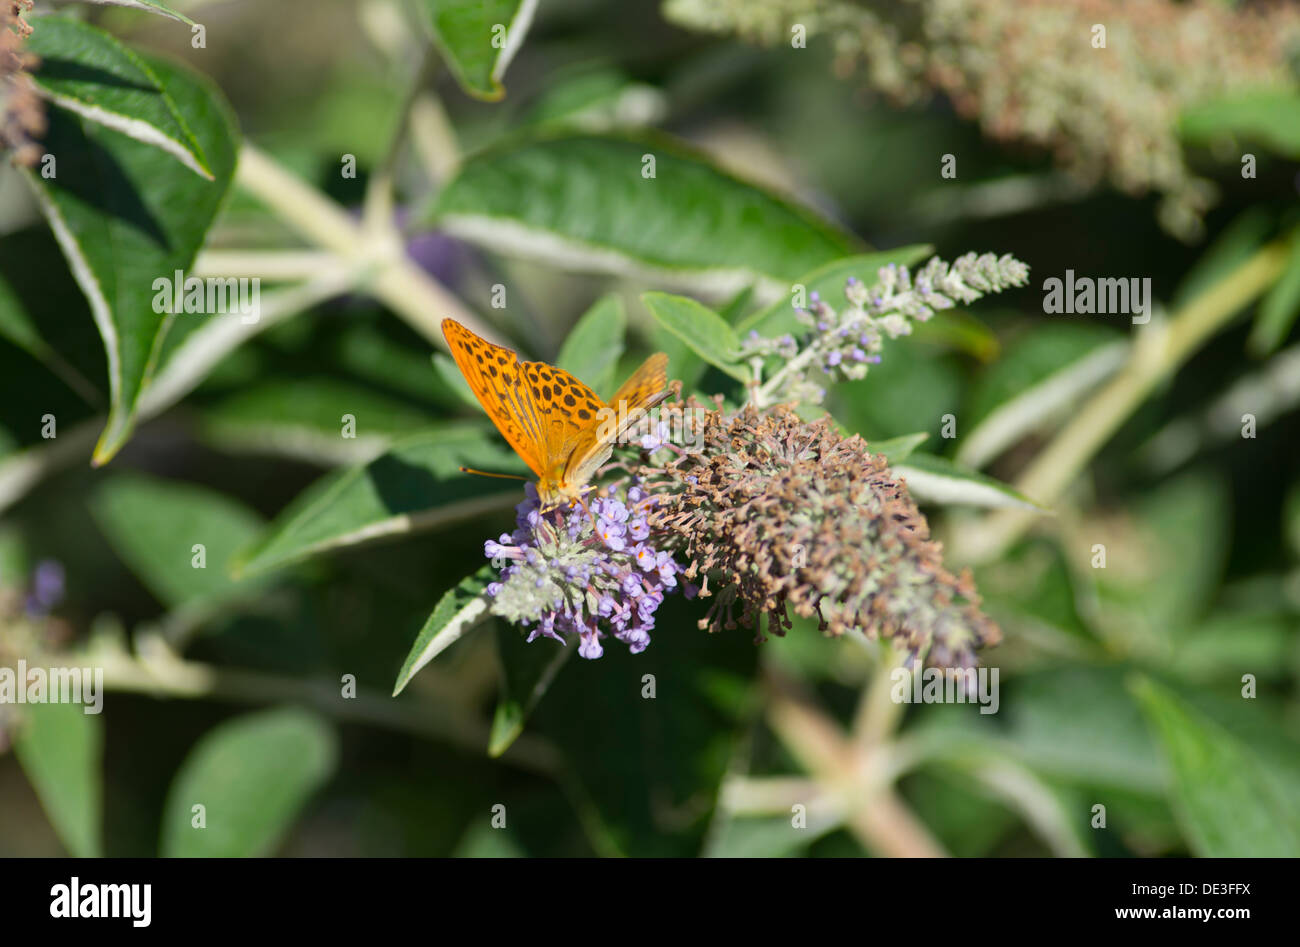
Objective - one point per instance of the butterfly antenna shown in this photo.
(485, 473)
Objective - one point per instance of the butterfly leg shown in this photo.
(582, 500)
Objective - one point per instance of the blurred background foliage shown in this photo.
(1121, 686)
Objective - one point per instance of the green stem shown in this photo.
(415, 296)
(273, 266)
(878, 713)
(765, 395)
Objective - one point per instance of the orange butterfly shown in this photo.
(559, 426)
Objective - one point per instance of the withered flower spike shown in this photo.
(22, 111)
(783, 513)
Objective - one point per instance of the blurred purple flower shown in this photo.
(46, 589)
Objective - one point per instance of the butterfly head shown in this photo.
(555, 491)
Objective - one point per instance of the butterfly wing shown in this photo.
(646, 387)
(567, 407)
(496, 377)
(591, 447)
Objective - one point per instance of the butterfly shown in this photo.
(559, 426)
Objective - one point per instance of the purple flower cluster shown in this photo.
(844, 343)
(587, 571)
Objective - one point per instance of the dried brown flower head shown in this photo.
(1028, 71)
(784, 513)
(22, 112)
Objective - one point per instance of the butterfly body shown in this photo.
(560, 428)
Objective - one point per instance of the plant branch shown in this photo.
(860, 782)
(434, 138)
(415, 296)
(288, 266)
(769, 796)
(878, 713)
(763, 396)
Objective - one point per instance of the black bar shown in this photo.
(334, 896)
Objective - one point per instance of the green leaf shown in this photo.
(1058, 814)
(1278, 310)
(150, 6)
(304, 418)
(527, 671)
(1079, 724)
(683, 363)
(1230, 644)
(60, 748)
(599, 99)
(1040, 378)
(1164, 570)
(594, 346)
(734, 309)
(253, 775)
(938, 480)
(1268, 116)
(416, 485)
(17, 324)
(126, 213)
(898, 449)
(461, 609)
(1226, 801)
(89, 73)
(484, 841)
(154, 524)
(478, 38)
(828, 280)
(1033, 594)
(707, 333)
(582, 203)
